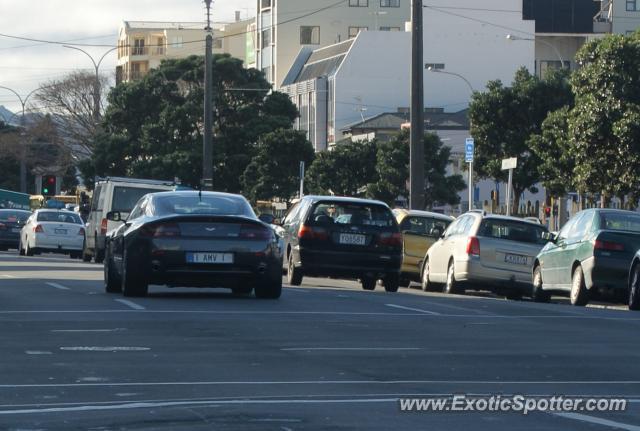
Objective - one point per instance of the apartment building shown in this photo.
(142, 45)
(284, 27)
(619, 16)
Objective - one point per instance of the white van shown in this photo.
(114, 194)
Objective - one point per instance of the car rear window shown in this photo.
(354, 214)
(59, 217)
(14, 216)
(512, 231)
(125, 198)
(623, 221)
(209, 205)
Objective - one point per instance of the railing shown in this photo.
(139, 50)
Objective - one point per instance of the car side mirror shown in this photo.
(548, 236)
(114, 216)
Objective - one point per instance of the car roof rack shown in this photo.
(135, 180)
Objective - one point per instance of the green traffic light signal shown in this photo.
(45, 191)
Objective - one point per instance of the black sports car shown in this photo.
(193, 239)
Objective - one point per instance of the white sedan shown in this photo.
(52, 231)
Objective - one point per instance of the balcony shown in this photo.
(139, 50)
(159, 50)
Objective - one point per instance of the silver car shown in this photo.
(484, 250)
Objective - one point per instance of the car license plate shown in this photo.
(516, 259)
(210, 258)
(351, 239)
(60, 231)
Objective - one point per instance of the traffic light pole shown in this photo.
(416, 164)
(207, 145)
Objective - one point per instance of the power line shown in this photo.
(474, 9)
(70, 40)
(504, 27)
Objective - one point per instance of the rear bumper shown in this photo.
(606, 272)
(472, 271)
(60, 244)
(331, 263)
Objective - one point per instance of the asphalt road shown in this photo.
(327, 355)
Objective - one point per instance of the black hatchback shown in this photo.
(350, 238)
(11, 223)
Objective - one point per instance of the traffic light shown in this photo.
(49, 185)
(547, 212)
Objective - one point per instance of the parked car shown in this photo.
(192, 239)
(52, 231)
(11, 223)
(593, 251)
(420, 230)
(350, 238)
(114, 194)
(480, 250)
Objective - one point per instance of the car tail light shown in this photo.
(81, 231)
(103, 226)
(473, 246)
(250, 231)
(391, 239)
(608, 245)
(166, 230)
(38, 229)
(312, 232)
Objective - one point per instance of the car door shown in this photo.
(440, 252)
(117, 238)
(289, 229)
(95, 216)
(571, 251)
(554, 256)
(415, 241)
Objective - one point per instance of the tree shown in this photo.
(274, 169)
(153, 127)
(393, 172)
(505, 118)
(344, 171)
(604, 126)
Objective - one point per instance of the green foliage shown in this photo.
(153, 126)
(274, 170)
(344, 171)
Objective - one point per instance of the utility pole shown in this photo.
(416, 165)
(207, 145)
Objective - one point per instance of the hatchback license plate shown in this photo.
(351, 239)
(214, 258)
(516, 259)
(60, 231)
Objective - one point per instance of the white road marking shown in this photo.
(433, 313)
(598, 421)
(58, 286)
(8, 276)
(37, 352)
(295, 349)
(130, 304)
(89, 330)
(105, 349)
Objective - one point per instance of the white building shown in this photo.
(286, 26)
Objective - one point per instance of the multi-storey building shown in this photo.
(286, 26)
(619, 16)
(142, 45)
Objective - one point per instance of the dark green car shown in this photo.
(593, 251)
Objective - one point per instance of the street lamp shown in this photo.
(23, 150)
(96, 85)
(512, 37)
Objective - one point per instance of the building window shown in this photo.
(389, 3)
(547, 65)
(436, 66)
(310, 35)
(353, 31)
(389, 28)
(176, 41)
(159, 48)
(265, 38)
(632, 5)
(358, 3)
(138, 47)
(217, 43)
(265, 4)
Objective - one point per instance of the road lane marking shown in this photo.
(89, 330)
(130, 304)
(8, 276)
(598, 421)
(419, 310)
(295, 349)
(57, 286)
(37, 352)
(105, 349)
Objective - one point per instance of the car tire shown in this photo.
(86, 256)
(133, 283)
(112, 283)
(28, 251)
(538, 294)
(452, 286)
(294, 275)
(634, 288)
(241, 291)
(425, 283)
(99, 256)
(579, 295)
(269, 289)
(20, 249)
(391, 283)
(368, 283)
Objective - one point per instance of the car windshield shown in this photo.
(425, 226)
(60, 217)
(512, 231)
(11, 216)
(623, 221)
(207, 204)
(354, 214)
(125, 198)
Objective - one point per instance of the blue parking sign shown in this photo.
(469, 148)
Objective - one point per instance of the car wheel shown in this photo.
(391, 283)
(294, 275)
(538, 294)
(133, 283)
(27, 250)
(634, 288)
(241, 291)
(426, 284)
(452, 286)
(368, 283)
(579, 293)
(112, 283)
(86, 256)
(20, 249)
(99, 256)
(269, 289)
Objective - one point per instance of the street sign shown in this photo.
(511, 163)
(469, 148)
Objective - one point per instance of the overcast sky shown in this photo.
(25, 65)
